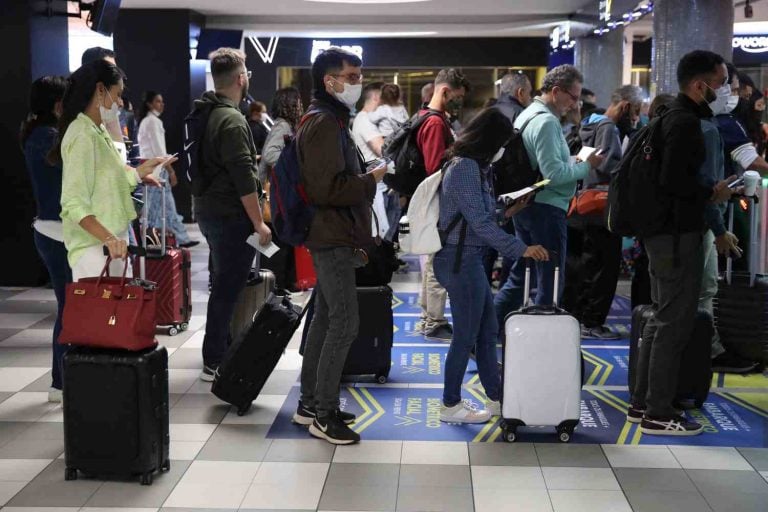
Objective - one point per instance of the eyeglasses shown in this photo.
(352, 78)
(573, 96)
(247, 73)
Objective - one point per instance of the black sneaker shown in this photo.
(674, 426)
(209, 373)
(190, 244)
(599, 333)
(332, 429)
(635, 414)
(731, 363)
(442, 332)
(306, 415)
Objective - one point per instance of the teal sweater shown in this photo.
(544, 141)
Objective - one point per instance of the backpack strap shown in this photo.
(525, 124)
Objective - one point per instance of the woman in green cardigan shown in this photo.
(96, 204)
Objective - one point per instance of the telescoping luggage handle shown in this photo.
(527, 287)
(754, 242)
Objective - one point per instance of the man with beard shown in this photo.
(227, 195)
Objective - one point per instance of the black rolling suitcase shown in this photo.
(371, 352)
(253, 356)
(741, 304)
(695, 377)
(116, 412)
(257, 289)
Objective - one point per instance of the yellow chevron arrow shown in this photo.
(406, 421)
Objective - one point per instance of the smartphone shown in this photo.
(379, 162)
(738, 183)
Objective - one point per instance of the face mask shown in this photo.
(721, 100)
(350, 95)
(454, 104)
(731, 104)
(110, 115)
(498, 155)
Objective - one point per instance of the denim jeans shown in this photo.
(538, 224)
(54, 255)
(231, 261)
(156, 213)
(333, 329)
(675, 290)
(709, 286)
(474, 321)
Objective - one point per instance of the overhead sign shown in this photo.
(605, 10)
(560, 36)
(267, 53)
(751, 44)
(321, 46)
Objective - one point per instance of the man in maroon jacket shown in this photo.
(433, 138)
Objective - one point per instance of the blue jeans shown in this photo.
(231, 261)
(538, 224)
(54, 255)
(156, 212)
(474, 321)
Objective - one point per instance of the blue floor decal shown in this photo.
(413, 414)
(415, 365)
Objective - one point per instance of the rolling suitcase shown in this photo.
(305, 269)
(741, 304)
(542, 368)
(695, 377)
(252, 357)
(171, 269)
(371, 352)
(116, 413)
(260, 284)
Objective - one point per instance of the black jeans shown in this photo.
(333, 329)
(592, 284)
(675, 289)
(231, 261)
(54, 255)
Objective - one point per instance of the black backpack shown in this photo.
(514, 171)
(194, 130)
(636, 206)
(401, 147)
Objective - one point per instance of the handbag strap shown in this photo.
(105, 272)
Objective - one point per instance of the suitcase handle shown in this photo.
(132, 249)
(527, 286)
(754, 243)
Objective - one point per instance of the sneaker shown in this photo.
(420, 326)
(209, 373)
(442, 332)
(306, 415)
(731, 363)
(464, 412)
(55, 396)
(190, 244)
(333, 429)
(493, 407)
(599, 333)
(675, 426)
(636, 414)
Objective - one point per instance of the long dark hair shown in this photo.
(146, 100)
(287, 105)
(81, 86)
(45, 93)
(482, 137)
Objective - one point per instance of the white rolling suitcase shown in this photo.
(542, 368)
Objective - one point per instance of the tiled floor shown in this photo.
(221, 461)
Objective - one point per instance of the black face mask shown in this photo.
(709, 96)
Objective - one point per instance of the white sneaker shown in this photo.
(464, 412)
(494, 407)
(55, 396)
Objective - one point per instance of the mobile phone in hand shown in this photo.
(379, 162)
(736, 183)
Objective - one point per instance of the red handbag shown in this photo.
(108, 312)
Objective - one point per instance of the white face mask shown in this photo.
(350, 95)
(498, 155)
(723, 93)
(733, 102)
(110, 115)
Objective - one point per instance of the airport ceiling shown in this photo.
(405, 18)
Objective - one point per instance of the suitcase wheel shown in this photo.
(381, 379)
(184, 326)
(173, 330)
(565, 437)
(166, 467)
(241, 411)
(70, 474)
(565, 430)
(146, 479)
(510, 435)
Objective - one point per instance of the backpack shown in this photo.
(514, 171)
(635, 205)
(194, 130)
(291, 210)
(401, 147)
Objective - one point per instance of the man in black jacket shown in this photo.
(675, 250)
(515, 95)
(227, 199)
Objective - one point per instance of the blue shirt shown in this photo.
(467, 190)
(734, 136)
(46, 178)
(711, 172)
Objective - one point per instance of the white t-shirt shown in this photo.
(364, 131)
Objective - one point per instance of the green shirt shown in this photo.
(546, 147)
(95, 182)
